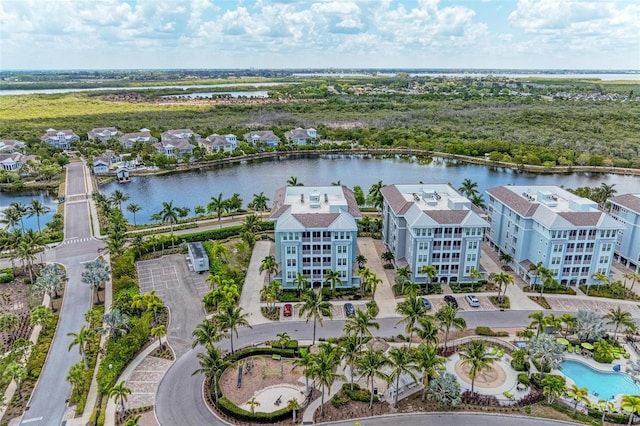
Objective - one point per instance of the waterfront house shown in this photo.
(626, 210)
(566, 233)
(11, 145)
(12, 162)
(316, 232)
(143, 136)
(122, 175)
(216, 143)
(103, 134)
(266, 137)
(301, 136)
(432, 224)
(174, 147)
(102, 163)
(61, 139)
(171, 135)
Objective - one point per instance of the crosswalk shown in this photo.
(76, 240)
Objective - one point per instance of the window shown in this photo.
(555, 260)
(606, 247)
(423, 245)
(291, 250)
(472, 245)
(471, 258)
(557, 248)
(291, 263)
(342, 249)
(342, 261)
(604, 259)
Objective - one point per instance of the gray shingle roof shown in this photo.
(514, 201)
(447, 216)
(396, 200)
(316, 220)
(628, 201)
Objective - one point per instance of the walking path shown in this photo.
(384, 294)
(253, 282)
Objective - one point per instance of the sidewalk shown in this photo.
(384, 294)
(254, 280)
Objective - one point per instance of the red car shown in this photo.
(288, 310)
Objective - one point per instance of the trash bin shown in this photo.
(375, 391)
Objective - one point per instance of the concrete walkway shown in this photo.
(253, 282)
(384, 294)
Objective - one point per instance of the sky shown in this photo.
(497, 34)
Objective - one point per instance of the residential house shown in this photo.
(61, 139)
(143, 136)
(174, 147)
(266, 137)
(11, 146)
(626, 210)
(103, 134)
(316, 232)
(217, 143)
(301, 136)
(566, 233)
(12, 162)
(432, 225)
(170, 135)
(102, 163)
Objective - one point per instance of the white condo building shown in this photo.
(626, 210)
(432, 224)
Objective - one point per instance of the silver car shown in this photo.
(472, 300)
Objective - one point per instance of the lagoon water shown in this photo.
(45, 198)
(189, 189)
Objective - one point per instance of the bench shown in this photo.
(276, 357)
(508, 394)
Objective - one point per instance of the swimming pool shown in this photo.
(605, 385)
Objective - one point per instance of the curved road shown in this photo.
(179, 396)
(48, 401)
(455, 419)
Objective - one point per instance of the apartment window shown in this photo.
(555, 260)
(423, 245)
(291, 275)
(606, 247)
(557, 248)
(472, 245)
(604, 259)
(291, 263)
(291, 250)
(342, 261)
(342, 249)
(471, 258)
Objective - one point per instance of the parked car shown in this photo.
(472, 300)
(426, 304)
(287, 310)
(450, 299)
(349, 310)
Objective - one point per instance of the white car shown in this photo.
(472, 300)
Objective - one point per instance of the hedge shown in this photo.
(291, 344)
(247, 352)
(236, 412)
(486, 331)
(357, 394)
(6, 275)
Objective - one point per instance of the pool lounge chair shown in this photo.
(494, 350)
(508, 394)
(570, 349)
(500, 353)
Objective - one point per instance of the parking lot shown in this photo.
(567, 303)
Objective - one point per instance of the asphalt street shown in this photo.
(453, 419)
(48, 401)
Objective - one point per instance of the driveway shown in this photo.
(181, 290)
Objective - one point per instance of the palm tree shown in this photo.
(115, 324)
(95, 274)
(36, 208)
(259, 202)
(323, 369)
(305, 361)
(51, 281)
(630, 404)
(159, 332)
(447, 318)
(16, 372)
(269, 265)
(601, 278)
(9, 241)
(231, 318)
(375, 195)
(360, 324)
(301, 282)
(120, 392)
(428, 361)
(169, 213)
(211, 365)
(427, 330)
(350, 351)
(411, 311)
(75, 377)
(370, 366)
(403, 274)
(369, 281)
(431, 272)
(401, 362)
(505, 258)
(538, 322)
(388, 257)
(475, 275)
(476, 356)
(253, 403)
(553, 386)
(293, 181)
(579, 395)
(207, 333)
(294, 406)
(217, 206)
(361, 260)
(314, 307)
(478, 201)
(468, 188)
(82, 338)
(567, 321)
(604, 192)
(9, 323)
(118, 197)
(333, 279)
(501, 279)
(11, 218)
(42, 316)
(21, 210)
(31, 243)
(618, 317)
(134, 208)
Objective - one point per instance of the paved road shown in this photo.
(179, 397)
(47, 404)
(454, 419)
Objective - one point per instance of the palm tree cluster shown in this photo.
(469, 189)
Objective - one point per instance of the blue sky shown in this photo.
(558, 34)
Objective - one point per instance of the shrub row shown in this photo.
(238, 413)
(6, 275)
(40, 349)
(486, 331)
(291, 344)
(357, 394)
(261, 350)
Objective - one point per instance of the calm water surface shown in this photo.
(193, 188)
(7, 198)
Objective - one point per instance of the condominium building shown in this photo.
(626, 210)
(432, 224)
(316, 232)
(547, 224)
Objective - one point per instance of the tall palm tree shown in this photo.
(217, 206)
(538, 321)
(207, 333)
(619, 317)
(375, 195)
(11, 218)
(401, 362)
(502, 278)
(134, 208)
(314, 307)
(231, 318)
(17, 372)
(428, 361)
(475, 355)
(431, 272)
(294, 406)
(22, 210)
(301, 282)
(478, 201)
(468, 188)
(427, 330)
(604, 192)
(403, 274)
(333, 278)
(114, 324)
(630, 404)
(118, 197)
(567, 321)
(370, 366)
(579, 395)
(259, 202)
(360, 324)
(158, 333)
(411, 311)
(211, 365)
(475, 275)
(36, 208)
(269, 265)
(323, 369)
(120, 392)
(42, 316)
(304, 361)
(169, 213)
(350, 347)
(81, 338)
(293, 181)
(447, 318)
(9, 242)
